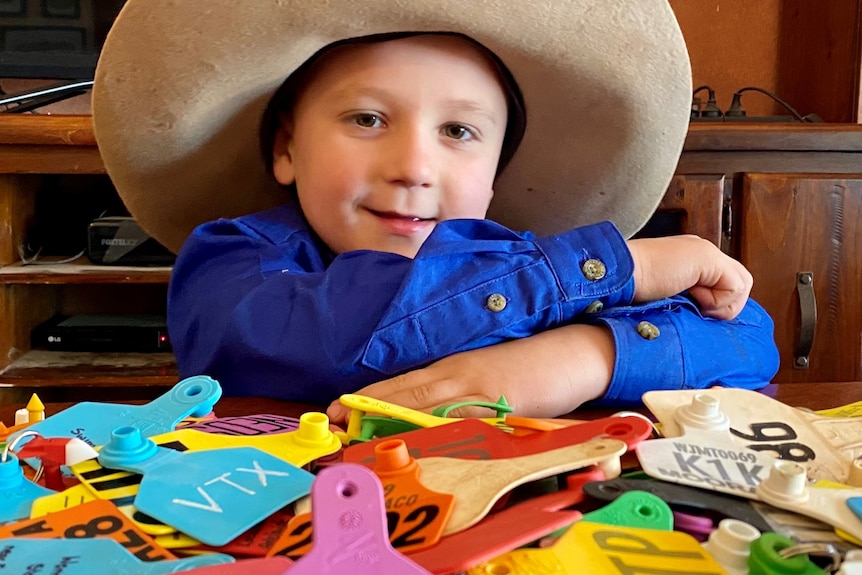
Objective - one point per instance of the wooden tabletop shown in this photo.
(808, 395)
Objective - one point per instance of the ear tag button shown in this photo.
(472, 439)
(350, 527)
(787, 488)
(474, 499)
(312, 440)
(826, 445)
(212, 496)
(596, 548)
(93, 422)
(17, 493)
(88, 556)
(712, 503)
(634, 509)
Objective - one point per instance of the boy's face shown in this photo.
(388, 139)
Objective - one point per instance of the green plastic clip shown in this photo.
(501, 407)
(765, 558)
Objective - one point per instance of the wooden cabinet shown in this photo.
(43, 161)
(793, 203)
(785, 199)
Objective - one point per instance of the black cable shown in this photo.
(787, 106)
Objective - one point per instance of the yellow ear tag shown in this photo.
(71, 497)
(361, 405)
(596, 548)
(311, 441)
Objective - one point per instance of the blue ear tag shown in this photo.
(88, 556)
(17, 493)
(93, 422)
(212, 496)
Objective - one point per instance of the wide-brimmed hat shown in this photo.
(181, 87)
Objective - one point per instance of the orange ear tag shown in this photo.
(95, 519)
(312, 440)
(415, 515)
(474, 498)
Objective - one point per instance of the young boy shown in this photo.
(378, 272)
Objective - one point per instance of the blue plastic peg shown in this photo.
(17, 493)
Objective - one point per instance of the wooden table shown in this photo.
(809, 395)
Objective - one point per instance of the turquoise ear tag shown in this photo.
(212, 496)
(88, 556)
(93, 422)
(17, 493)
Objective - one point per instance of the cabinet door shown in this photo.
(801, 237)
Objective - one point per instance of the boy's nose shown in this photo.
(411, 160)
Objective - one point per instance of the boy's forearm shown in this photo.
(587, 354)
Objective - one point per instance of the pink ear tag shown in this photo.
(350, 531)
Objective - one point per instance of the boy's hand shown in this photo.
(667, 266)
(544, 375)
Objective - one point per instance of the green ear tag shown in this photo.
(634, 509)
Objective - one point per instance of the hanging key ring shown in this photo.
(10, 445)
(817, 550)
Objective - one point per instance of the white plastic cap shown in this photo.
(730, 545)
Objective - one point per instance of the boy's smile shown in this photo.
(387, 139)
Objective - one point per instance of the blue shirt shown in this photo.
(263, 306)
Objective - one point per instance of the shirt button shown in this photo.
(496, 302)
(648, 330)
(595, 307)
(594, 269)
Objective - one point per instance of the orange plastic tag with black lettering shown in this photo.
(94, 519)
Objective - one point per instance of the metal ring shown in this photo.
(816, 549)
(655, 429)
(10, 445)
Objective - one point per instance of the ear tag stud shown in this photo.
(362, 405)
(596, 548)
(787, 488)
(88, 556)
(382, 427)
(17, 493)
(634, 509)
(312, 440)
(706, 455)
(261, 424)
(350, 534)
(212, 496)
(472, 439)
(680, 496)
(93, 422)
(825, 445)
(474, 499)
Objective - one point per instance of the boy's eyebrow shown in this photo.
(457, 104)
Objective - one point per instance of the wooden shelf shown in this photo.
(40, 368)
(82, 271)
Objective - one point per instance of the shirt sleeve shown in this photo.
(264, 313)
(684, 353)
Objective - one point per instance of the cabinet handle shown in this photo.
(808, 319)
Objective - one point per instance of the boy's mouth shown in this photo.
(402, 217)
(407, 225)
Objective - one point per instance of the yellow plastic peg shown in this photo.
(35, 409)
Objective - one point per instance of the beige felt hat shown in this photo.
(181, 86)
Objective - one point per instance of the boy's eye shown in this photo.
(458, 132)
(367, 120)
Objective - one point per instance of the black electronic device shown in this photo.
(103, 333)
(120, 241)
(54, 39)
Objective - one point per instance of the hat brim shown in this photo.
(181, 86)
